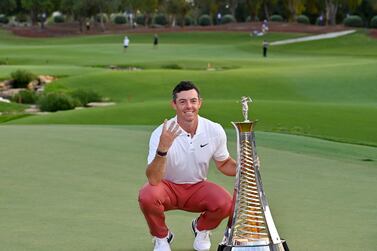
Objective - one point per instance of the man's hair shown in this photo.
(184, 85)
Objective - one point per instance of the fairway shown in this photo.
(314, 88)
(67, 188)
(69, 180)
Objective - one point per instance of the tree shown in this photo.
(295, 7)
(7, 6)
(177, 8)
(39, 10)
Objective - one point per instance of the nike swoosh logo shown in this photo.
(203, 145)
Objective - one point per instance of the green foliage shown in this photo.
(228, 19)
(104, 17)
(353, 21)
(120, 19)
(276, 18)
(204, 20)
(56, 101)
(140, 19)
(187, 21)
(85, 96)
(25, 97)
(373, 22)
(302, 19)
(22, 18)
(21, 78)
(59, 19)
(4, 19)
(160, 19)
(172, 66)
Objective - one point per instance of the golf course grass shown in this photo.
(75, 188)
(69, 180)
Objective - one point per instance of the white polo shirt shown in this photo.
(188, 158)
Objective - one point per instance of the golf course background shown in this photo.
(69, 180)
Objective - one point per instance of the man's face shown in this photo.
(187, 105)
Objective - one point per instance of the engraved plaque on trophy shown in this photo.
(250, 226)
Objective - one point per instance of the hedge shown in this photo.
(353, 21)
(302, 19)
(276, 18)
(227, 19)
(204, 20)
(373, 22)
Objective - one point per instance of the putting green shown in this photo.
(67, 188)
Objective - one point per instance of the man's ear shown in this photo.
(173, 104)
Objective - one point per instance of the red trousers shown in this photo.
(211, 200)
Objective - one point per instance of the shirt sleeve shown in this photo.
(153, 144)
(221, 152)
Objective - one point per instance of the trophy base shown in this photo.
(283, 246)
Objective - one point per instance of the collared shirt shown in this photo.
(188, 158)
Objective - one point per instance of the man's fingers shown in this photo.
(178, 133)
(164, 125)
(171, 126)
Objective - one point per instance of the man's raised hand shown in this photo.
(168, 135)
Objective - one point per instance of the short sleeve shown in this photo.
(221, 152)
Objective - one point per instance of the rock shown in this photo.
(4, 100)
(10, 92)
(46, 79)
(100, 104)
(33, 85)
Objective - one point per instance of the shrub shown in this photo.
(85, 96)
(172, 66)
(25, 97)
(353, 21)
(120, 19)
(204, 20)
(187, 21)
(252, 19)
(140, 19)
(59, 19)
(373, 22)
(160, 19)
(3, 19)
(56, 101)
(105, 18)
(276, 18)
(302, 19)
(227, 19)
(21, 78)
(22, 18)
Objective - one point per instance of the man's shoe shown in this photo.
(202, 241)
(163, 244)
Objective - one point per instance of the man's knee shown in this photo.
(148, 195)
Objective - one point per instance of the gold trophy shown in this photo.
(250, 226)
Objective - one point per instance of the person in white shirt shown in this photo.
(126, 42)
(179, 154)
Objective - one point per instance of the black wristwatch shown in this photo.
(161, 154)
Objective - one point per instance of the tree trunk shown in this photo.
(266, 12)
(331, 10)
(233, 7)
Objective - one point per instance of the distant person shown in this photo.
(126, 43)
(155, 40)
(265, 47)
(320, 21)
(218, 18)
(265, 26)
(87, 26)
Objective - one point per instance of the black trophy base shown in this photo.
(283, 246)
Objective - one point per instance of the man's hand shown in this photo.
(156, 169)
(168, 135)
